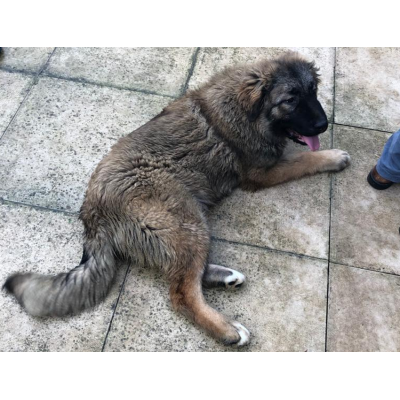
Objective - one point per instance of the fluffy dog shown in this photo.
(148, 199)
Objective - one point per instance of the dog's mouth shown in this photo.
(311, 141)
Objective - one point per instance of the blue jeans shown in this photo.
(388, 166)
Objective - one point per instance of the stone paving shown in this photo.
(321, 255)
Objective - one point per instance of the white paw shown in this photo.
(235, 280)
(243, 333)
(337, 160)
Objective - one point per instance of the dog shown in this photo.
(147, 200)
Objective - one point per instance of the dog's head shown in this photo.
(282, 96)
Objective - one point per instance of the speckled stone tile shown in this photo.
(368, 88)
(48, 243)
(364, 313)
(365, 221)
(161, 70)
(60, 135)
(292, 217)
(283, 304)
(29, 59)
(211, 60)
(13, 89)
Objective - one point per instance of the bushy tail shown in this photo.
(66, 293)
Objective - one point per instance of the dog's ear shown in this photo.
(315, 72)
(252, 92)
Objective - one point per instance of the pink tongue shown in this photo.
(312, 142)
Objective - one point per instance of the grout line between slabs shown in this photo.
(45, 74)
(115, 308)
(18, 109)
(45, 65)
(41, 208)
(362, 127)
(329, 252)
(365, 269)
(334, 85)
(34, 82)
(92, 83)
(329, 262)
(191, 70)
(17, 71)
(290, 253)
(330, 210)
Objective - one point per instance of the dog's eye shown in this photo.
(289, 101)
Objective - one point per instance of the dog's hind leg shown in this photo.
(174, 235)
(191, 243)
(187, 298)
(219, 276)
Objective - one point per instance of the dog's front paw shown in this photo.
(243, 333)
(335, 160)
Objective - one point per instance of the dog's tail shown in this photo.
(66, 293)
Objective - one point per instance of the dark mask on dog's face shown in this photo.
(295, 109)
(282, 95)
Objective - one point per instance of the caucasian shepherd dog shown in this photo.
(148, 199)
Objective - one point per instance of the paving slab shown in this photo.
(368, 87)
(13, 89)
(364, 312)
(65, 127)
(365, 222)
(162, 70)
(214, 59)
(292, 217)
(49, 243)
(28, 59)
(61, 133)
(283, 304)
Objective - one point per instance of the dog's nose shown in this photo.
(321, 125)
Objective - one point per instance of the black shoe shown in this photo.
(376, 181)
